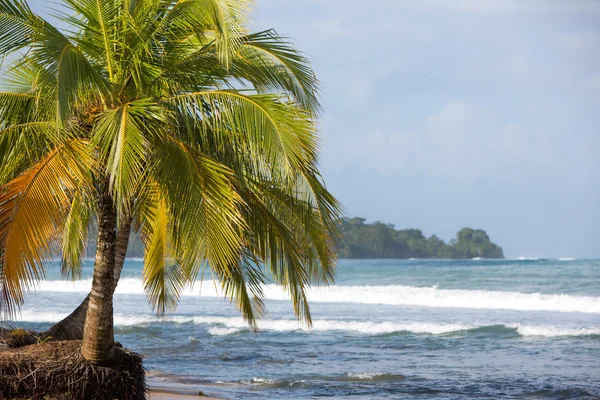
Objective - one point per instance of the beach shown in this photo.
(157, 393)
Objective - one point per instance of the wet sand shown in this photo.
(158, 393)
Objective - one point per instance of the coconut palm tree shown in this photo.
(171, 117)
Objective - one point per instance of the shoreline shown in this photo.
(177, 393)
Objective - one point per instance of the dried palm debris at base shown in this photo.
(56, 370)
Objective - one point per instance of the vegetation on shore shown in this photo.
(380, 240)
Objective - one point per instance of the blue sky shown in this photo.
(443, 114)
(440, 114)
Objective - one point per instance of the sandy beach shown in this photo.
(159, 393)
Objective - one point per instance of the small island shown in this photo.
(381, 240)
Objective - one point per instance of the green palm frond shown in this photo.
(284, 134)
(205, 205)
(122, 137)
(16, 107)
(276, 243)
(274, 65)
(202, 21)
(75, 235)
(21, 145)
(163, 277)
(68, 71)
(15, 25)
(99, 24)
(31, 210)
(243, 285)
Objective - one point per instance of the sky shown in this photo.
(445, 114)
(440, 114)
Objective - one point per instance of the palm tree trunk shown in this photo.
(71, 327)
(98, 345)
(121, 247)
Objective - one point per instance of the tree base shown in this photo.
(57, 370)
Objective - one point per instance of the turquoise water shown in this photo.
(526, 329)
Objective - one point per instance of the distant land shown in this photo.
(380, 240)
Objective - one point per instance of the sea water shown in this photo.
(527, 329)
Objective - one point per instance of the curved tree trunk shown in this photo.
(98, 345)
(71, 327)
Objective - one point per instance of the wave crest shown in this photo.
(388, 295)
(221, 326)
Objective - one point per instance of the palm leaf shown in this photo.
(272, 64)
(278, 131)
(243, 285)
(205, 206)
(67, 70)
(223, 21)
(121, 136)
(163, 277)
(32, 208)
(75, 235)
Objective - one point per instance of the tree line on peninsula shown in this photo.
(381, 240)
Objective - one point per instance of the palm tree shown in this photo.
(171, 117)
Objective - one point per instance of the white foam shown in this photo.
(223, 331)
(262, 381)
(41, 317)
(567, 259)
(220, 326)
(443, 298)
(370, 376)
(554, 331)
(389, 295)
(367, 376)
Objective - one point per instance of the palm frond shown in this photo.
(275, 130)
(274, 65)
(163, 276)
(15, 25)
(275, 244)
(201, 21)
(243, 285)
(75, 235)
(21, 145)
(32, 208)
(206, 212)
(99, 24)
(67, 71)
(122, 136)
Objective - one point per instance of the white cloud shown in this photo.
(459, 140)
(515, 6)
(593, 82)
(330, 29)
(519, 66)
(360, 90)
(577, 40)
(451, 116)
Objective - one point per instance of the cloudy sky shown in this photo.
(441, 114)
(444, 114)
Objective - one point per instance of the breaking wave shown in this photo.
(222, 326)
(389, 295)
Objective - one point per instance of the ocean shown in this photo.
(387, 329)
